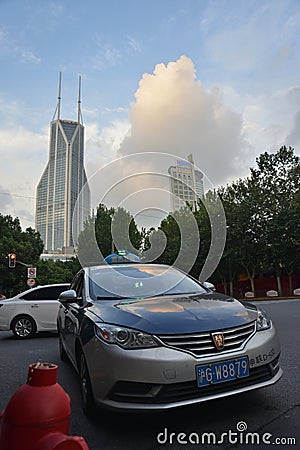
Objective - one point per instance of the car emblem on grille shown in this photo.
(218, 339)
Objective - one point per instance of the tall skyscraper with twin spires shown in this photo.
(61, 183)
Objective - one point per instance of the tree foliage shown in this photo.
(261, 211)
(51, 272)
(262, 214)
(108, 230)
(27, 245)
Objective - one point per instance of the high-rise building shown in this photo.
(186, 184)
(61, 184)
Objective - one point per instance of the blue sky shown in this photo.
(239, 61)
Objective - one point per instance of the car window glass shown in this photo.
(140, 282)
(30, 295)
(74, 284)
(79, 287)
(46, 293)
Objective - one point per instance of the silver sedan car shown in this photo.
(149, 337)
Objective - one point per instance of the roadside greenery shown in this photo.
(27, 245)
(262, 213)
(262, 220)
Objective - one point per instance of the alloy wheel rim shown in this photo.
(83, 379)
(60, 346)
(23, 327)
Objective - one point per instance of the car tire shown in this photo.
(87, 398)
(23, 327)
(62, 352)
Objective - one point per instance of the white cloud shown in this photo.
(27, 55)
(56, 9)
(5, 198)
(9, 45)
(106, 55)
(134, 45)
(23, 157)
(101, 146)
(256, 38)
(293, 139)
(269, 120)
(120, 109)
(172, 116)
(173, 113)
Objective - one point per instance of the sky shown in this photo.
(215, 78)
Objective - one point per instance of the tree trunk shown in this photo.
(231, 288)
(291, 289)
(252, 284)
(279, 285)
(225, 286)
(250, 277)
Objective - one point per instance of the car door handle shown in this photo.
(35, 305)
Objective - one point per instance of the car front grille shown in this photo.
(202, 344)
(147, 393)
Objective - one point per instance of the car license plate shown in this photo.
(222, 371)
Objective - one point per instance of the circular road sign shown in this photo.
(30, 282)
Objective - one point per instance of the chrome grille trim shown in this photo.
(201, 344)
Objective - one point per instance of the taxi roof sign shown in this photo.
(122, 257)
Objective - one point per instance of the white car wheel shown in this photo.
(23, 327)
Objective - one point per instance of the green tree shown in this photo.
(101, 231)
(51, 272)
(27, 245)
(125, 233)
(246, 226)
(261, 214)
(177, 239)
(204, 227)
(278, 177)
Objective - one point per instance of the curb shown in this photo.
(291, 297)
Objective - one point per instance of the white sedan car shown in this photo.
(31, 311)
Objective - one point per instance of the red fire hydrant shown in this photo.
(37, 417)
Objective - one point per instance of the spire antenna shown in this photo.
(79, 100)
(59, 97)
(57, 109)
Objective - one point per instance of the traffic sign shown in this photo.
(31, 272)
(30, 282)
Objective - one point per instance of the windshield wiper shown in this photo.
(167, 294)
(99, 297)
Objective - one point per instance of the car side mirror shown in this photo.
(69, 296)
(209, 285)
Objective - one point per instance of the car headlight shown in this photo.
(125, 337)
(263, 322)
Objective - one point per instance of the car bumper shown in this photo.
(163, 378)
(4, 324)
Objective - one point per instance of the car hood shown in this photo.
(176, 314)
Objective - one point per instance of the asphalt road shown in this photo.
(272, 413)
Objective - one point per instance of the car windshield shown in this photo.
(141, 281)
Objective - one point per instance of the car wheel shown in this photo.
(87, 397)
(23, 327)
(62, 352)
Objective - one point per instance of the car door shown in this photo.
(72, 316)
(42, 305)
